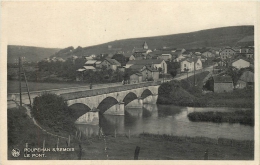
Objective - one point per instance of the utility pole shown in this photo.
(20, 79)
(194, 72)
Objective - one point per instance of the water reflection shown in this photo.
(168, 119)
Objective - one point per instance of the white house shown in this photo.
(240, 63)
(190, 64)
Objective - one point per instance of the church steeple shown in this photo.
(145, 46)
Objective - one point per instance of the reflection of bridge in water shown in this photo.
(120, 123)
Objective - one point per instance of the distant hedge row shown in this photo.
(245, 117)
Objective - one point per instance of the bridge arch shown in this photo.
(146, 93)
(78, 109)
(106, 103)
(129, 97)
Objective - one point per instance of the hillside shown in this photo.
(218, 37)
(30, 53)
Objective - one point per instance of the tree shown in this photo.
(120, 58)
(50, 110)
(187, 71)
(160, 70)
(234, 73)
(173, 73)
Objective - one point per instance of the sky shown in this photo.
(62, 24)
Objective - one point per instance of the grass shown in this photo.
(152, 146)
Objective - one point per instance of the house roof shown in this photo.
(247, 76)
(240, 58)
(226, 48)
(91, 62)
(190, 60)
(145, 62)
(138, 54)
(89, 67)
(110, 55)
(138, 74)
(113, 61)
(127, 54)
(136, 67)
(222, 79)
(80, 70)
(98, 62)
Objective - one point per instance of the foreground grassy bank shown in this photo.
(184, 93)
(242, 117)
(121, 147)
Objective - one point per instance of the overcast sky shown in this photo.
(63, 24)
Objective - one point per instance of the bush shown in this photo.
(52, 111)
(242, 117)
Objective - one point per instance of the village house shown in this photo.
(129, 56)
(227, 53)
(154, 63)
(149, 73)
(220, 84)
(98, 64)
(110, 63)
(136, 78)
(240, 63)
(190, 64)
(245, 80)
(246, 52)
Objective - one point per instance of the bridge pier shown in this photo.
(137, 103)
(152, 99)
(91, 118)
(117, 109)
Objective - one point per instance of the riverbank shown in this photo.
(184, 93)
(120, 146)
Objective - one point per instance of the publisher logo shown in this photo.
(15, 152)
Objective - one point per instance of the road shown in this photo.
(13, 85)
(184, 75)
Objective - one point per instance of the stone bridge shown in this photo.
(109, 100)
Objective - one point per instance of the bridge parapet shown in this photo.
(101, 91)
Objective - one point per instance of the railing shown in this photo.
(94, 92)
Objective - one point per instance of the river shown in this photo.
(168, 119)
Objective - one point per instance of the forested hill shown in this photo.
(218, 37)
(30, 53)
